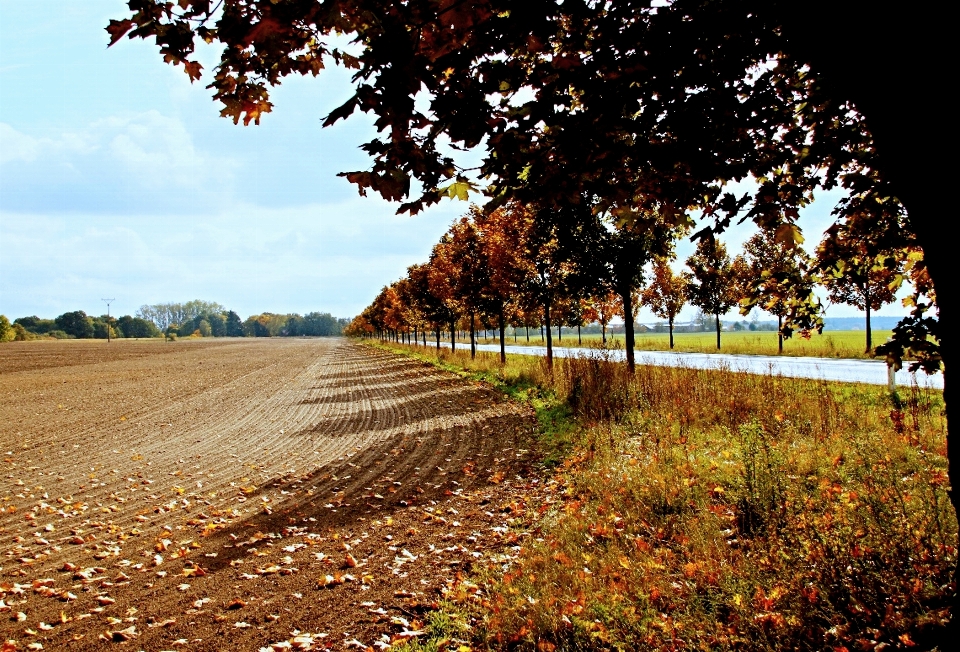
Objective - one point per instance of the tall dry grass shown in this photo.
(717, 510)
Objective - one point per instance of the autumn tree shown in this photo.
(415, 297)
(857, 274)
(358, 327)
(772, 274)
(710, 280)
(580, 315)
(547, 252)
(503, 234)
(627, 245)
(666, 294)
(434, 310)
(471, 278)
(609, 97)
(603, 308)
(443, 282)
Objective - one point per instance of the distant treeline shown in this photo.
(191, 319)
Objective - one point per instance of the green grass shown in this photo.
(831, 344)
(700, 509)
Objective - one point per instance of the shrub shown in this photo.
(6, 330)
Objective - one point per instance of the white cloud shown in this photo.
(134, 163)
(15, 146)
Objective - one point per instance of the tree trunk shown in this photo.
(628, 328)
(438, 338)
(579, 337)
(527, 329)
(860, 60)
(780, 334)
(718, 330)
(603, 330)
(503, 344)
(453, 336)
(866, 292)
(940, 260)
(473, 339)
(670, 322)
(559, 333)
(546, 319)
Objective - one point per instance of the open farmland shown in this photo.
(181, 495)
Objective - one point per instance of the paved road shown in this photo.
(873, 372)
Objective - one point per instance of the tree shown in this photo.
(256, 326)
(771, 274)
(103, 327)
(234, 325)
(677, 99)
(666, 293)
(136, 327)
(471, 272)
(36, 325)
(76, 324)
(603, 308)
(218, 324)
(693, 94)
(858, 272)
(7, 333)
(504, 232)
(443, 285)
(432, 307)
(166, 314)
(550, 269)
(322, 324)
(710, 280)
(626, 249)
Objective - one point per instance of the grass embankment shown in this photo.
(715, 510)
(830, 344)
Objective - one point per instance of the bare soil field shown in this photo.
(244, 494)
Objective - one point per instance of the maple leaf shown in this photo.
(118, 28)
(193, 69)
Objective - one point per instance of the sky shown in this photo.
(119, 180)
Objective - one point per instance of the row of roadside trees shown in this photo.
(511, 266)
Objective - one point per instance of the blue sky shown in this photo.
(118, 179)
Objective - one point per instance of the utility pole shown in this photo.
(108, 302)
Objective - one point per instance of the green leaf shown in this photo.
(459, 189)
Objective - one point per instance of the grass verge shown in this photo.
(830, 344)
(716, 510)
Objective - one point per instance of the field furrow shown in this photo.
(175, 494)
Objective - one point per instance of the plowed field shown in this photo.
(243, 494)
